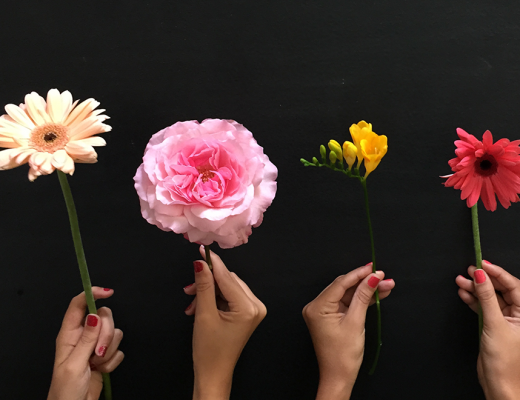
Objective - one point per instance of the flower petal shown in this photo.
(19, 116)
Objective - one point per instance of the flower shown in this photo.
(483, 169)
(373, 149)
(360, 131)
(210, 181)
(349, 153)
(50, 134)
(335, 147)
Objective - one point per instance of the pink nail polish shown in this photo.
(187, 308)
(102, 351)
(198, 266)
(386, 280)
(370, 263)
(186, 287)
(480, 276)
(107, 289)
(373, 281)
(92, 320)
(487, 261)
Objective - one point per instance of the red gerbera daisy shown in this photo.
(483, 169)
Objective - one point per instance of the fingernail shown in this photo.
(373, 281)
(186, 287)
(93, 367)
(480, 276)
(92, 320)
(386, 280)
(370, 263)
(487, 261)
(107, 289)
(102, 351)
(198, 266)
(187, 308)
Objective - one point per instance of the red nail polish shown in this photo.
(480, 276)
(486, 261)
(370, 263)
(198, 266)
(373, 281)
(386, 280)
(102, 351)
(92, 320)
(187, 308)
(190, 285)
(107, 289)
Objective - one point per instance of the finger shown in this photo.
(383, 285)
(362, 297)
(72, 325)
(190, 289)
(205, 287)
(190, 310)
(229, 287)
(244, 287)
(107, 331)
(485, 292)
(508, 282)
(382, 295)
(87, 342)
(468, 285)
(111, 349)
(465, 284)
(112, 364)
(469, 299)
(328, 299)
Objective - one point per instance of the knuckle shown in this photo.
(88, 339)
(204, 286)
(486, 294)
(363, 296)
(118, 333)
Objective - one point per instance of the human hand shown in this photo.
(225, 318)
(498, 364)
(85, 349)
(336, 322)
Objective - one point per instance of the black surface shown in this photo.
(295, 73)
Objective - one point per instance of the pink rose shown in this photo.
(210, 181)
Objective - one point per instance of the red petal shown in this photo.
(487, 139)
(475, 193)
(488, 195)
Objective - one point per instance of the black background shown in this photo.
(295, 73)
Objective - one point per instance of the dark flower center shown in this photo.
(486, 165)
(50, 137)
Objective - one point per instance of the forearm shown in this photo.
(212, 389)
(334, 390)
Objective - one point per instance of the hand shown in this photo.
(225, 318)
(83, 352)
(498, 364)
(336, 322)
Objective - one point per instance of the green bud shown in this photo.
(332, 157)
(323, 153)
(315, 160)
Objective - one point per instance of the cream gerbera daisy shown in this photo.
(52, 134)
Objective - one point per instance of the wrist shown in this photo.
(212, 387)
(334, 389)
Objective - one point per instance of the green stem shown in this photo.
(478, 255)
(82, 261)
(378, 305)
(208, 257)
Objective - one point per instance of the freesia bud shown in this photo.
(315, 160)
(336, 148)
(332, 157)
(323, 153)
(349, 153)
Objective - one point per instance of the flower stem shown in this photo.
(82, 261)
(478, 255)
(378, 305)
(208, 257)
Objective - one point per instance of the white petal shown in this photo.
(81, 112)
(19, 116)
(8, 143)
(47, 167)
(23, 157)
(13, 127)
(59, 158)
(5, 159)
(86, 128)
(37, 159)
(69, 166)
(66, 101)
(54, 105)
(33, 174)
(93, 141)
(33, 107)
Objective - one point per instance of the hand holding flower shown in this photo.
(336, 322)
(498, 362)
(85, 349)
(223, 325)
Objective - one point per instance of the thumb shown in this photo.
(87, 342)
(361, 299)
(206, 302)
(485, 292)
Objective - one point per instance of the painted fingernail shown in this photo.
(370, 263)
(373, 281)
(102, 351)
(92, 320)
(187, 308)
(386, 280)
(93, 367)
(107, 289)
(198, 266)
(186, 287)
(487, 261)
(480, 276)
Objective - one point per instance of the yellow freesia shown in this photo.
(361, 130)
(349, 153)
(336, 148)
(373, 149)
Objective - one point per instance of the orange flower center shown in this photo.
(486, 165)
(49, 137)
(206, 173)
